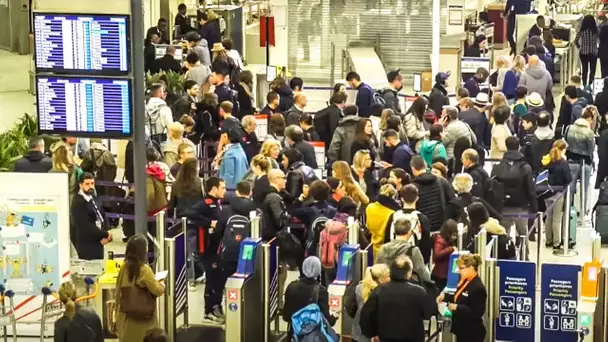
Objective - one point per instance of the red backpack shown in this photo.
(332, 238)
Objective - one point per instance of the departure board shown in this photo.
(84, 106)
(90, 43)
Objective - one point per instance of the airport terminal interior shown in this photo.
(547, 296)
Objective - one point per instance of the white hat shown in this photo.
(534, 100)
(482, 99)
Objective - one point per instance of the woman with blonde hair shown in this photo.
(86, 328)
(559, 175)
(362, 173)
(62, 162)
(512, 77)
(498, 100)
(341, 170)
(260, 166)
(271, 149)
(374, 277)
(502, 64)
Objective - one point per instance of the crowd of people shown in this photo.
(409, 177)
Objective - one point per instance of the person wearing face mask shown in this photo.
(390, 93)
(444, 244)
(88, 223)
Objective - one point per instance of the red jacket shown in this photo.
(441, 256)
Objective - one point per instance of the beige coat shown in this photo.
(498, 146)
(130, 330)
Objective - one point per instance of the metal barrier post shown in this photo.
(460, 236)
(255, 225)
(481, 241)
(184, 230)
(353, 233)
(596, 246)
(170, 289)
(161, 264)
(565, 251)
(491, 313)
(266, 289)
(161, 228)
(539, 230)
(583, 198)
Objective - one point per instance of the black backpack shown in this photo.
(494, 193)
(313, 234)
(321, 124)
(508, 174)
(237, 229)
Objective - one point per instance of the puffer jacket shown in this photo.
(438, 98)
(577, 109)
(581, 141)
(389, 252)
(538, 80)
(442, 250)
(456, 129)
(342, 140)
(379, 216)
(434, 194)
(538, 146)
(34, 161)
(158, 116)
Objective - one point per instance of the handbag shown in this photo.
(137, 302)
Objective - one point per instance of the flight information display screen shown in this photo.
(90, 43)
(84, 106)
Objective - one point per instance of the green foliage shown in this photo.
(173, 80)
(14, 142)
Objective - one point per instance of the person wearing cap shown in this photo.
(536, 78)
(439, 94)
(476, 118)
(209, 30)
(301, 293)
(221, 61)
(390, 92)
(472, 84)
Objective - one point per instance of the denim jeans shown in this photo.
(583, 203)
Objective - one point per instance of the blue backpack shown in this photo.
(510, 84)
(309, 324)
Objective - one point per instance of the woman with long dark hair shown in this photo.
(586, 41)
(135, 271)
(413, 121)
(186, 193)
(364, 138)
(245, 94)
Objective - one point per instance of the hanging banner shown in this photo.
(517, 299)
(266, 27)
(559, 298)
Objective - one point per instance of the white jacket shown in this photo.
(158, 116)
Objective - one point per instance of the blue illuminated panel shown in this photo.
(97, 43)
(84, 106)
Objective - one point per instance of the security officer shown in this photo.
(513, 8)
(208, 213)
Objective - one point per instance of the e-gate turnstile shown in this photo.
(245, 319)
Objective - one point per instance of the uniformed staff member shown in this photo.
(208, 213)
(513, 8)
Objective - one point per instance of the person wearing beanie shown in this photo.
(397, 298)
(299, 293)
(439, 94)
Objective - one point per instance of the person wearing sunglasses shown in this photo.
(468, 303)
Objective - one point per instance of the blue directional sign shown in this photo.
(246, 264)
(346, 263)
(559, 297)
(517, 282)
(453, 273)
